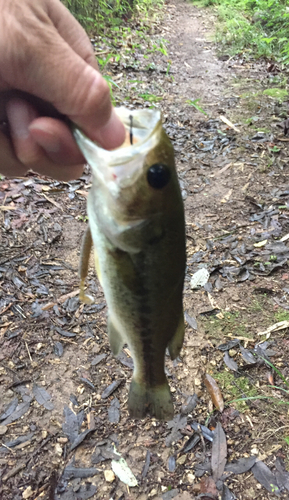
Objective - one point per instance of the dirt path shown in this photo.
(234, 185)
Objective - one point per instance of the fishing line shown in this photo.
(130, 132)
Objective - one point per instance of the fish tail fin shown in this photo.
(156, 401)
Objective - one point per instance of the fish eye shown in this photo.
(158, 175)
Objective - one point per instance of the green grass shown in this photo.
(276, 93)
(281, 316)
(256, 28)
(236, 388)
(231, 324)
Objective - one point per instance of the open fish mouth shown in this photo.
(120, 165)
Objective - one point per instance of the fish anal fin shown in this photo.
(115, 339)
(155, 401)
(84, 297)
(97, 267)
(176, 342)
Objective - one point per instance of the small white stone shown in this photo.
(153, 493)
(3, 429)
(109, 475)
(190, 478)
(254, 451)
(27, 493)
(58, 449)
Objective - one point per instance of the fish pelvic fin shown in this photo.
(115, 339)
(176, 342)
(83, 265)
(155, 401)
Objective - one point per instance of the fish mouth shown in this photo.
(121, 165)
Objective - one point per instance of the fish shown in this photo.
(137, 230)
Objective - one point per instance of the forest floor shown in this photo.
(62, 427)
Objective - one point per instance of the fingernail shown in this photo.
(50, 143)
(112, 135)
(20, 116)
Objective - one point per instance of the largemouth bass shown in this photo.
(136, 223)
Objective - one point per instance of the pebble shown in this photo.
(190, 478)
(181, 460)
(109, 475)
(254, 451)
(62, 440)
(27, 493)
(58, 449)
(3, 430)
(153, 493)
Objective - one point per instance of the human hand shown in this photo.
(48, 72)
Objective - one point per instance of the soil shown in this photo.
(234, 180)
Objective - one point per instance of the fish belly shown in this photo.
(145, 314)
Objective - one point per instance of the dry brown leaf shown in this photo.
(219, 452)
(208, 485)
(214, 392)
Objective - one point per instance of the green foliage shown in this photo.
(255, 27)
(102, 14)
(196, 105)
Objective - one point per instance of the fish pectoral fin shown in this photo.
(115, 339)
(176, 342)
(156, 401)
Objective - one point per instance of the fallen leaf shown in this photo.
(123, 472)
(110, 389)
(248, 356)
(265, 477)
(208, 486)
(171, 464)
(71, 472)
(219, 452)
(214, 392)
(189, 405)
(229, 345)
(146, 465)
(206, 432)
(227, 494)
(9, 409)
(20, 410)
(200, 278)
(230, 363)
(42, 397)
(113, 411)
(191, 321)
(242, 465)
